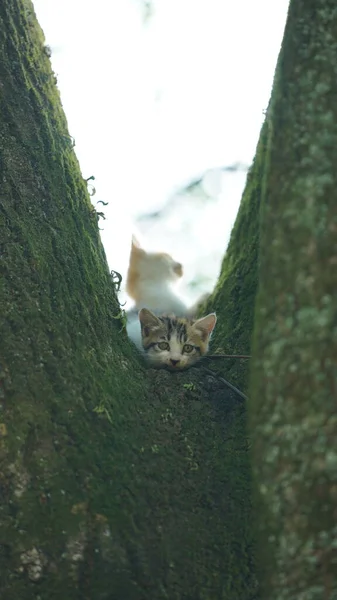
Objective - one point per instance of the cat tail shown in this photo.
(133, 328)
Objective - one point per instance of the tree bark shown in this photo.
(294, 376)
(116, 482)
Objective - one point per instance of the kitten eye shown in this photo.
(163, 346)
(188, 348)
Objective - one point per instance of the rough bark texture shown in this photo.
(234, 296)
(290, 203)
(116, 482)
(294, 382)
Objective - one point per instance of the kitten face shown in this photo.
(174, 343)
(152, 267)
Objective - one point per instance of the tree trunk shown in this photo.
(116, 482)
(294, 381)
(290, 202)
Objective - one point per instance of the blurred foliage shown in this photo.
(147, 9)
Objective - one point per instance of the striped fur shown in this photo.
(173, 342)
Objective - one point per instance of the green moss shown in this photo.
(234, 296)
(284, 240)
(117, 483)
(293, 392)
(234, 302)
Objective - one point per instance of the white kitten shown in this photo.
(150, 280)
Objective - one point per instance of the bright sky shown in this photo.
(154, 105)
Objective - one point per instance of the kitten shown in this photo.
(149, 282)
(172, 342)
(150, 278)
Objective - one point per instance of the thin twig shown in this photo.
(228, 356)
(232, 387)
(116, 279)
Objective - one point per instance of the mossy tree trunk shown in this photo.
(284, 244)
(116, 483)
(294, 375)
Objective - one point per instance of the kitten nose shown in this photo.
(178, 269)
(174, 362)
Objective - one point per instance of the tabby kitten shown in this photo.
(173, 342)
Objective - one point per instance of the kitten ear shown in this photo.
(148, 321)
(205, 325)
(135, 242)
(135, 245)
